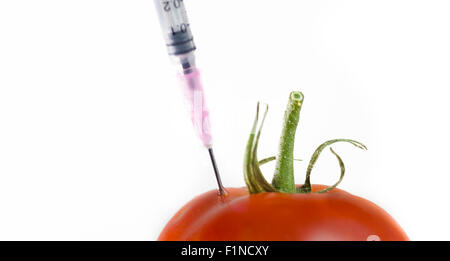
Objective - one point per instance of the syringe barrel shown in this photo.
(175, 26)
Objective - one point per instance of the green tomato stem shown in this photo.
(283, 179)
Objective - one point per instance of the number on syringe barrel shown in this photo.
(181, 28)
(173, 3)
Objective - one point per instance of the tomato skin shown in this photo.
(238, 216)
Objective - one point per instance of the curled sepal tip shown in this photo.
(306, 188)
(342, 166)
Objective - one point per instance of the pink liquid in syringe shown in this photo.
(194, 94)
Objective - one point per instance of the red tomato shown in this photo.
(335, 215)
(300, 214)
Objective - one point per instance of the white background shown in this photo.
(95, 143)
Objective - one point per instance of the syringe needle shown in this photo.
(216, 172)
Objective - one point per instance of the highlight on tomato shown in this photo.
(281, 210)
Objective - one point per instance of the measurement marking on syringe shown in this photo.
(182, 28)
(176, 4)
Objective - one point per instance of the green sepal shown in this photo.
(306, 188)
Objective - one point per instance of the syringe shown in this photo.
(181, 47)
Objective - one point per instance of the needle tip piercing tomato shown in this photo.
(281, 210)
